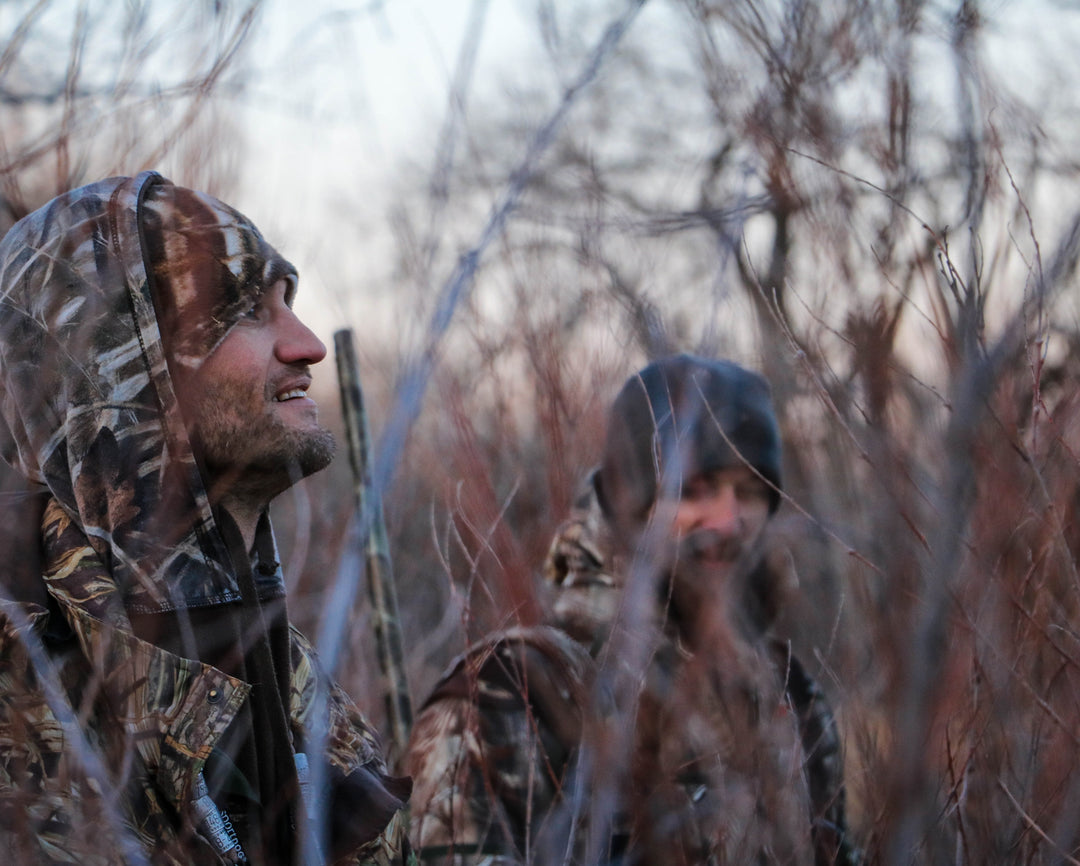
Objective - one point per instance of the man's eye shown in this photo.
(756, 489)
(253, 313)
(695, 490)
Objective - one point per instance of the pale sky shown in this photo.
(351, 94)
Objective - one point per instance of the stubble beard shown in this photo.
(705, 546)
(242, 445)
(708, 570)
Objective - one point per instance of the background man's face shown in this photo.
(721, 514)
(247, 406)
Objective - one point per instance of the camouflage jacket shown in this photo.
(104, 735)
(727, 764)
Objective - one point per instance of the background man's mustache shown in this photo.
(710, 544)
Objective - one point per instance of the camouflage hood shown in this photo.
(87, 407)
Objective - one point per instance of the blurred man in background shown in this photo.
(155, 704)
(656, 719)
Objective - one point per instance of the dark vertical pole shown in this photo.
(380, 575)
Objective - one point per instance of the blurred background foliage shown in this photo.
(871, 201)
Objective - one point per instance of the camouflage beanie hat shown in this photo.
(693, 415)
(208, 264)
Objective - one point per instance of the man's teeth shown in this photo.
(290, 395)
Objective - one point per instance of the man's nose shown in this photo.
(297, 343)
(720, 511)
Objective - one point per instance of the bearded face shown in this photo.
(710, 547)
(249, 414)
(237, 434)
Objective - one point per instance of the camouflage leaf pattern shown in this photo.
(101, 733)
(87, 407)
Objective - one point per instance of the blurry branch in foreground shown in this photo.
(418, 371)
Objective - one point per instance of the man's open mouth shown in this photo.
(709, 546)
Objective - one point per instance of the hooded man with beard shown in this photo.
(156, 706)
(655, 719)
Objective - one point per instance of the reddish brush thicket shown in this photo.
(785, 198)
(937, 596)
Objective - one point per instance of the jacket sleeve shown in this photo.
(41, 818)
(492, 747)
(457, 818)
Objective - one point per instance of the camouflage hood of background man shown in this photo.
(89, 418)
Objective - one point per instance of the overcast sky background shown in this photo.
(351, 96)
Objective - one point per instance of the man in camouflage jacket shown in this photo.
(655, 719)
(155, 704)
